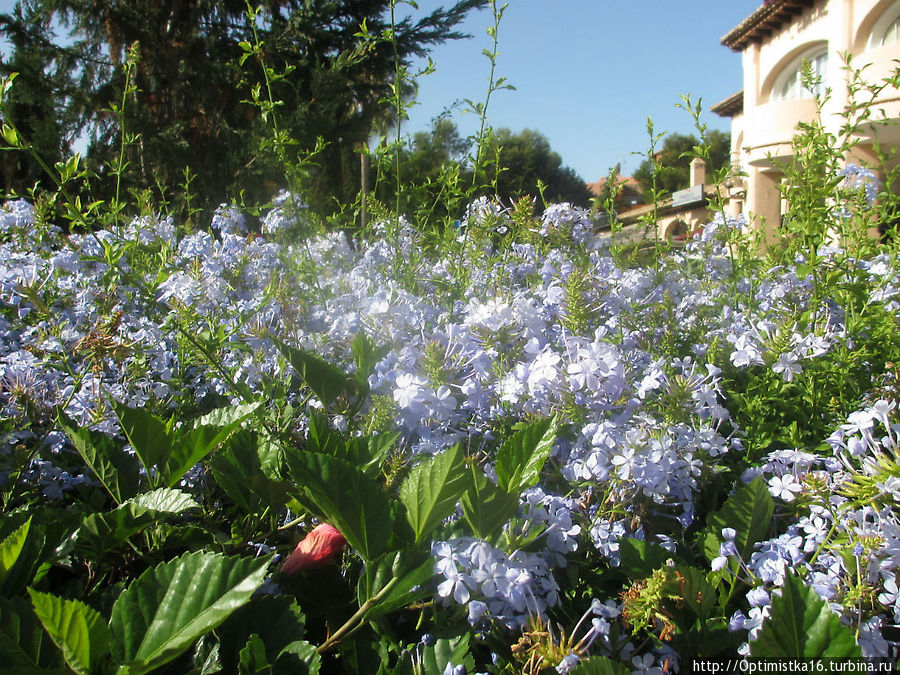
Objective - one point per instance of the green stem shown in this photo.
(354, 622)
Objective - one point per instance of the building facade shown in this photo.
(774, 43)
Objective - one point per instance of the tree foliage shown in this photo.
(674, 161)
(190, 105)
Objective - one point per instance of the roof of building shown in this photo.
(764, 21)
(627, 183)
(731, 106)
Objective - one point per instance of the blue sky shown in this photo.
(588, 73)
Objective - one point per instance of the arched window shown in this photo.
(790, 83)
(886, 28)
(891, 33)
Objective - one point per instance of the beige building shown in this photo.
(774, 41)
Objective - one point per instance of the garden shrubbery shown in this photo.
(498, 445)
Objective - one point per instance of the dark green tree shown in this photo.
(675, 160)
(516, 162)
(33, 102)
(190, 105)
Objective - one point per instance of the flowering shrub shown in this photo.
(684, 456)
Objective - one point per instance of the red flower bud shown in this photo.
(318, 548)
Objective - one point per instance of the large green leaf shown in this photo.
(276, 619)
(345, 497)
(365, 355)
(522, 455)
(640, 558)
(25, 646)
(167, 608)
(409, 570)
(11, 548)
(326, 381)
(223, 417)
(364, 452)
(78, 630)
(102, 532)
(148, 435)
(191, 446)
(801, 625)
(117, 471)
(749, 512)
(246, 467)
(486, 507)
(432, 490)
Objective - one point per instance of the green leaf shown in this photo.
(301, 658)
(749, 512)
(801, 625)
(103, 532)
(148, 435)
(25, 646)
(640, 558)
(365, 452)
(165, 610)
(223, 417)
(245, 467)
(327, 381)
(116, 470)
(432, 490)
(366, 356)
(486, 507)
(78, 630)
(276, 619)
(522, 455)
(346, 498)
(253, 657)
(446, 651)
(190, 447)
(11, 548)
(165, 500)
(412, 569)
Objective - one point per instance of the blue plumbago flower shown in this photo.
(644, 429)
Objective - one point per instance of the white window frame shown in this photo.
(789, 83)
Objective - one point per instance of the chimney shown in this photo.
(698, 172)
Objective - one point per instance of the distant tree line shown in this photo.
(194, 114)
(173, 99)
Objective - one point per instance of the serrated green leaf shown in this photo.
(365, 355)
(411, 568)
(640, 558)
(191, 446)
(277, 619)
(165, 610)
(522, 455)
(432, 490)
(11, 548)
(116, 470)
(486, 507)
(223, 417)
(148, 435)
(346, 498)
(78, 630)
(326, 381)
(25, 646)
(297, 653)
(246, 467)
(252, 658)
(364, 452)
(165, 500)
(103, 532)
(446, 651)
(801, 625)
(749, 512)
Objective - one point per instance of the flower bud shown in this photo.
(318, 548)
